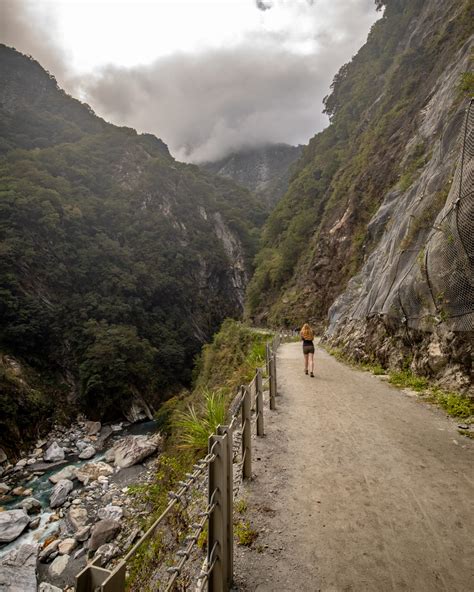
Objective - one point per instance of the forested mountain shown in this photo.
(265, 170)
(366, 194)
(117, 262)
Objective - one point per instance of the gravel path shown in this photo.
(358, 487)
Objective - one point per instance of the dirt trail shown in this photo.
(358, 487)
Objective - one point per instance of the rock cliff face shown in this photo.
(117, 261)
(375, 200)
(266, 171)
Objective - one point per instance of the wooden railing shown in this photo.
(217, 573)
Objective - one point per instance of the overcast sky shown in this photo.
(208, 77)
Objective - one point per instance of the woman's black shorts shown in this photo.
(308, 349)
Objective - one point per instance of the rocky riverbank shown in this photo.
(67, 501)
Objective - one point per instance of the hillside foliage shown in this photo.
(345, 171)
(115, 264)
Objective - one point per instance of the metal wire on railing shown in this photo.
(216, 468)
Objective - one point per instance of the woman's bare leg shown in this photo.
(311, 362)
(306, 363)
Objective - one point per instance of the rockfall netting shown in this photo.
(422, 278)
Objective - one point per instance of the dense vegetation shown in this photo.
(117, 262)
(317, 238)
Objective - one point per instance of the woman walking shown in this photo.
(307, 335)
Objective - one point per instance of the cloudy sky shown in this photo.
(208, 77)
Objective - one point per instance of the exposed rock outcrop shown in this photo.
(12, 524)
(18, 570)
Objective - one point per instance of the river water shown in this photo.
(42, 487)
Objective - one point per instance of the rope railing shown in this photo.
(217, 468)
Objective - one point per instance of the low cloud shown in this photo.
(267, 86)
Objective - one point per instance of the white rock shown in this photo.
(21, 463)
(133, 449)
(58, 566)
(60, 492)
(54, 453)
(18, 570)
(12, 524)
(66, 546)
(88, 452)
(68, 472)
(91, 471)
(77, 517)
(46, 553)
(45, 587)
(110, 511)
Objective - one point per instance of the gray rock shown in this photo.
(58, 566)
(77, 517)
(78, 554)
(92, 427)
(4, 489)
(30, 505)
(106, 553)
(103, 532)
(68, 472)
(34, 523)
(83, 534)
(12, 524)
(88, 452)
(91, 471)
(133, 449)
(54, 453)
(18, 570)
(81, 445)
(66, 546)
(45, 587)
(3, 456)
(60, 492)
(110, 511)
(46, 553)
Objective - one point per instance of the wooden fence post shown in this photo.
(217, 533)
(259, 390)
(227, 431)
(246, 435)
(271, 384)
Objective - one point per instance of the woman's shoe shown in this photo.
(312, 375)
(306, 372)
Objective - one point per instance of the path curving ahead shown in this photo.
(357, 487)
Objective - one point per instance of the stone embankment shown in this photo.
(68, 500)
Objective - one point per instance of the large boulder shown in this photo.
(48, 550)
(103, 532)
(92, 427)
(60, 492)
(87, 453)
(31, 505)
(77, 518)
(110, 511)
(67, 546)
(58, 565)
(91, 471)
(106, 553)
(133, 449)
(68, 472)
(12, 524)
(18, 570)
(54, 453)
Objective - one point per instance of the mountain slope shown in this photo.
(117, 261)
(265, 170)
(396, 116)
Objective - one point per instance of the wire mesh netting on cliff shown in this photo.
(424, 280)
